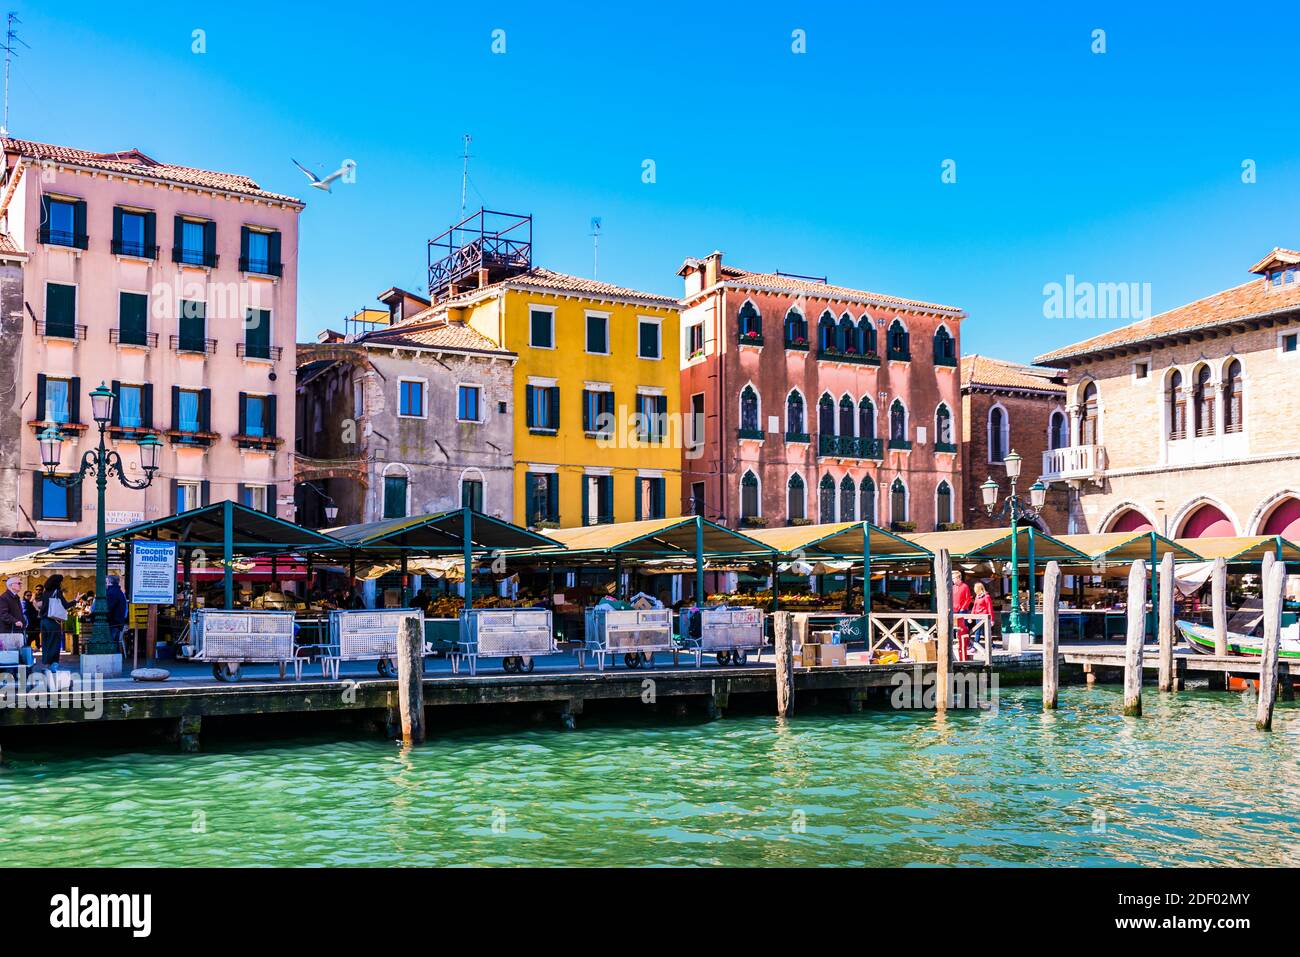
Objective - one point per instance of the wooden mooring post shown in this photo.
(1219, 605)
(1051, 634)
(943, 629)
(1273, 586)
(1168, 680)
(410, 680)
(1137, 608)
(783, 643)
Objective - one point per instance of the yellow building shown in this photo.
(598, 431)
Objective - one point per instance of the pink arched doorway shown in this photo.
(1207, 522)
(1284, 520)
(1130, 520)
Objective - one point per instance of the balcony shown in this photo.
(1074, 463)
(854, 358)
(754, 434)
(262, 267)
(59, 330)
(196, 346)
(133, 337)
(796, 344)
(134, 250)
(193, 257)
(61, 237)
(847, 446)
(798, 437)
(900, 445)
(252, 350)
(751, 339)
(950, 447)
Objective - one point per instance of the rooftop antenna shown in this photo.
(464, 177)
(595, 247)
(11, 51)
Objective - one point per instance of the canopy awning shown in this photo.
(1242, 548)
(995, 543)
(651, 539)
(440, 534)
(839, 539)
(1128, 546)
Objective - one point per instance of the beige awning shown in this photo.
(975, 544)
(840, 539)
(1242, 548)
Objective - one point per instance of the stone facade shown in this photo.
(1191, 429)
(11, 396)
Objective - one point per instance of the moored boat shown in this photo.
(1201, 639)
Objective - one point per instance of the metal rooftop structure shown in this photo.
(485, 247)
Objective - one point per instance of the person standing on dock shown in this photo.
(961, 602)
(117, 611)
(33, 615)
(983, 605)
(13, 621)
(53, 614)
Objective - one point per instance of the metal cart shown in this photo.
(517, 635)
(229, 639)
(635, 633)
(366, 635)
(730, 633)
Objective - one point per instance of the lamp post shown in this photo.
(103, 462)
(1015, 509)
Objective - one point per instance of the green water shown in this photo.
(1192, 783)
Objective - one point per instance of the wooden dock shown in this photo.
(1095, 659)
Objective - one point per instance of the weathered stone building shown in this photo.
(11, 396)
(404, 421)
(1006, 406)
(1185, 422)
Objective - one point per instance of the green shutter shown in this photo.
(210, 244)
(132, 318)
(43, 235)
(553, 497)
(554, 421)
(116, 418)
(150, 234)
(586, 505)
(243, 247)
(60, 309)
(268, 417)
(178, 238)
(273, 253)
(79, 224)
(530, 495)
(146, 405)
(243, 413)
(205, 410)
(38, 493)
(40, 397)
(117, 227)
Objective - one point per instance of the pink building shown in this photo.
(176, 287)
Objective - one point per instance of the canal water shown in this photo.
(1192, 783)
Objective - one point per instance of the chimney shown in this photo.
(712, 268)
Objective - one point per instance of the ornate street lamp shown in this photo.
(1017, 510)
(103, 462)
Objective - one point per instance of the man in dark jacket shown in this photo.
(117, 611)
(13, 621)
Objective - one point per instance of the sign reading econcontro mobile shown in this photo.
(153, 572)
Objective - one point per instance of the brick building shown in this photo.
(1005, 406)
(1185, 422)
(810, 402)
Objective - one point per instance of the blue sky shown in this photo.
(1115, 167)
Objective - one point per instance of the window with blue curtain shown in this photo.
(255, 415)
(543, 407)
(826, 332)
(187, 411)
(54, 501)
(57, 400)
(130, 406)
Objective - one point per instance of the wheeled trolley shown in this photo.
(636, 634)
(365, 635)
(229, 639)
(516, 635)
(729, 633)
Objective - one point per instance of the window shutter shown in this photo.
(657, 500)
(116, 419)
(268, 424)
(150, 234)
(38, 488)
(636, 487)
(907, 344)
(270, 500)
(273, 251)
(587, 404)
(530, 496)
(554, 422)
(241, 496)
(205, 410)
(117, 224)
(178, 238)
(74, 399)
(44, 231)
(40, 397)
(586, 505)
(74, 502)
(79, 224)
(607, 499)
(176, 407)
(243, 413)
(146, 405)
(209, 243)
(243, 247)
(553, 497)
(176, 502)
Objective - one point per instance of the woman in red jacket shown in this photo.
(983, 606)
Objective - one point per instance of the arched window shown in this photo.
(826, 415)
(1089, 420)
(751, 323)
(943, 504)
(899, 341)
(826, 499)
(898, 501)
(749, 500)
(794, 498)
(1058, 431)
(867, 335)
(749, 409)
(846, 335)
(846, 416)
(794, 424)
(868, 490)
(826, 333)
(796, 328)
(943, 440)
(999, 433)
(945, 348)
(1232, 406)
(1177, 407)
(848, 499)
(898, 424)
(866, 418)
(1203, 397)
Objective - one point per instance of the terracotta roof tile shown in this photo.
(137, 163)
(8, 247)
(1253, 299)
(422, 330)
(547, 280)
(983, 370)
(777, 282)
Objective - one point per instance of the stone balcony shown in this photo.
(1074, 463)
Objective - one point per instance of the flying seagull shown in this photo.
(324, 184)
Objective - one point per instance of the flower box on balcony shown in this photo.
(754, 521)
(949, 527)
(261, 443)
(799, 345)
(198, 439)
(754, 434)
(900, 445)
(801, 521)
(751, 339)
(798, 437)
(902, 526)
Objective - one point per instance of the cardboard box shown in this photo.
(923, 650)
(831, 655)
(808, 655)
